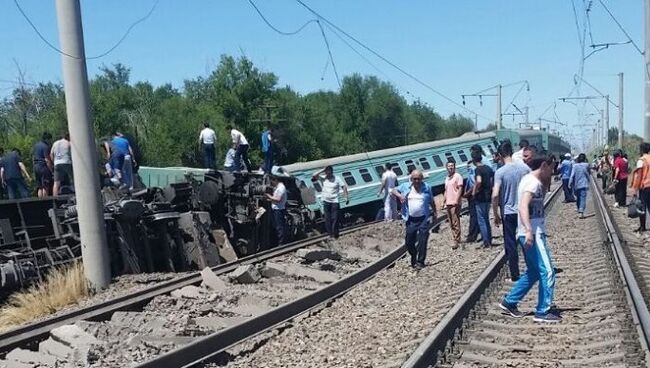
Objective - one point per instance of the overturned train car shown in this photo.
(188, 224)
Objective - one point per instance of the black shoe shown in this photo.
(514, 278)
(639, 230)
(418, 266)
(547, 317)
(511, 310)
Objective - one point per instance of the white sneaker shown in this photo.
(615, 204)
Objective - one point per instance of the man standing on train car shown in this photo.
(332, 187)
(417, 207)
(482, 193)
(278, 206)
(267, 149)
(531, 236)
(240, 144)
(565, 173)
(388, 182)
(452, 195)
(208, 141)
(504, 204)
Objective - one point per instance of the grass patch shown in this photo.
(62, 287)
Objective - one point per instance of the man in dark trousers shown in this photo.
(278, 207)
(482, 193)
(332, 187)
(43, 165)
(417, 207)
(13, 174)
(472, 231)
(267, 149)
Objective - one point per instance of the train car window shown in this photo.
(424, 163)
(449, 157)
(365, 175)
(396, 169)
(437, 160)
(410, 166)
(462, 155)
(380, 170)
(491, 149)
(316, 184)
(349, 179)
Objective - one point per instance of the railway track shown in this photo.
(29, 334)
(605, 317)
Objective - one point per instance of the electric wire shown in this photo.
(620, 27)
(329, 51)
(400, 69)
(259, 12)
(117, 44)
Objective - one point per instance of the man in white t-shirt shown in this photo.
(208, 140)
(278, 207)
(531, 236)
(519, 155)
(61, 156)
(332, 187)
(240, 144)
(388, 182)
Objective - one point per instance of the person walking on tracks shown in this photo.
(13, 174)
(240, 144)
(332, 187)
(208, 141)
(452, 196)
(482, 192)
(472, 229)
(42, 165)
(278, 206)
(641, 183)
(531, 236)
(417, 206)
(579, 182)
(388, 182)
(504, 204)
(565, 173)
(620, 179)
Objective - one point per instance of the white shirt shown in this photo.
(518, 156)
(208, 136)
(331, 190)
(238, 137)
(280, 191)
(416, 203)
(230, 158)
(529, 183)
(61, 152)
(390, 178)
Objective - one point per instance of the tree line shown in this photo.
(365, 114)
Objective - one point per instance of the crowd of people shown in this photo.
(236, 157)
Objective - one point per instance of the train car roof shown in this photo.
(311, 165)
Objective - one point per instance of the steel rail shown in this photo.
(33, 332)
(436, 342)
(26, 334)
(636, 301)
(217, 342)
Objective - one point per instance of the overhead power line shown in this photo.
(384, 59)
(329, 51)
(259, 12)
(620, 27)
(116, 45)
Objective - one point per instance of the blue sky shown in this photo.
(457, 47)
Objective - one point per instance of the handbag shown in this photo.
(636, 208)
(611, 188)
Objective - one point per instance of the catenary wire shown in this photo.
(259, 12)
(118, 43)
(378, 55)
(620, 26)
(329, 51)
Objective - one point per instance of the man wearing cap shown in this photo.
(565, 173)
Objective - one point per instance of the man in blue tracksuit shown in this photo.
(531, 236)
(267, 150)
(565, 174)
(473, 231)
(416, 197)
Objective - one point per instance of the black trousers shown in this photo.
(330, 212)
(621, 192)
(644, 196)
(280, 225)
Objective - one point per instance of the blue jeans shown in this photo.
(581, 199)
(483, 218)
(510, 243)
(330, 213)
(268, 161)
(16, 188)
(208, 156)
(568, 195)
(280, 225)
(417, 236)
(538, 268)
(472, 232)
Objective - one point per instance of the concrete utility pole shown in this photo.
(499, 115)
(607, 119)
(646, 73)
(94, 248)
(620, 110)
